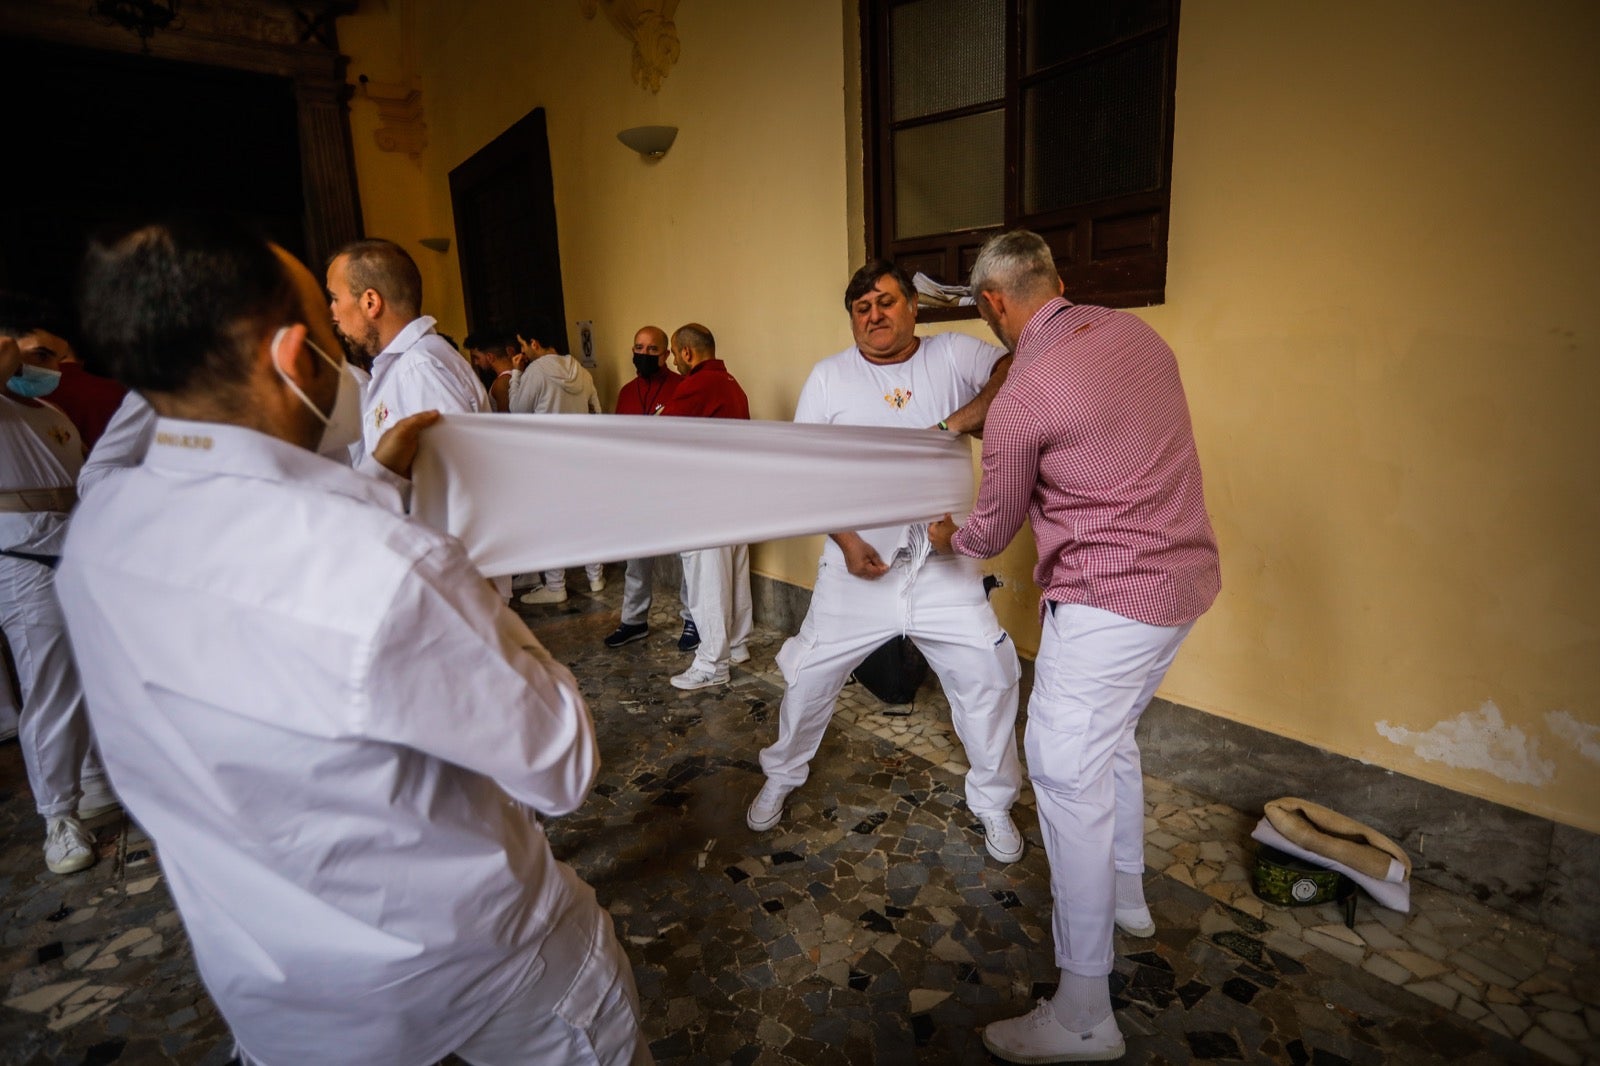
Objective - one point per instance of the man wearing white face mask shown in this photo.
(40, 453)
(127, 435)
(337, 753)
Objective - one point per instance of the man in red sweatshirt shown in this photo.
(717, 579)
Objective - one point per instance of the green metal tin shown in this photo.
(1290, 882)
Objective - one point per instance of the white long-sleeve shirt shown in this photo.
(553, 384)
(323, 715)
(122, 445)
(418, 371)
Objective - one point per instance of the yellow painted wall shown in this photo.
(1383, 291)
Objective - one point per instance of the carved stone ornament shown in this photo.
(648, 24)
(400, 115)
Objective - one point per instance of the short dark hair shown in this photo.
(694, 335)
(863, 280)
(543, 329)
(22, 313)
(386, 267)
(493, 338)
(178, 306)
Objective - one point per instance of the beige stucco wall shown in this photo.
(1382, 290)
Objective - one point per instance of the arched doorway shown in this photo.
(234, 109)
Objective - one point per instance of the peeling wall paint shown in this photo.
(1583, 736)
(1478, 741)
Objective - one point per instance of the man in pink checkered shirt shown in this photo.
(1090, 439)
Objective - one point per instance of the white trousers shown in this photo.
(10, 716)
(557, 579)
(1095, 674)
(638, 590)
(580, 1006)
(942, 607)
(718, 584)
(577, 1005)
(57, 746)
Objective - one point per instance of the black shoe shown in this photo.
(627, 633)
(690, 640)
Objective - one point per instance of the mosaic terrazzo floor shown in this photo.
(870, 927)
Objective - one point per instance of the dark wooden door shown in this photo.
(505, 214)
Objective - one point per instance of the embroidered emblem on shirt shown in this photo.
(184, 440)
(60, 436)
(898, 398)
(380, 415)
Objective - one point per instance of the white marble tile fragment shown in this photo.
(45, 997)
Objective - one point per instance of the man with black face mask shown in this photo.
(646, 394)
(650, 391)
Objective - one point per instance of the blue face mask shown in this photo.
(32, 382)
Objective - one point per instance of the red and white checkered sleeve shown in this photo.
(1010, 469)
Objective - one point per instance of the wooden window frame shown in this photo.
(1111, 252)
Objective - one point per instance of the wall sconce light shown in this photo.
(651, 142)
(435, 244)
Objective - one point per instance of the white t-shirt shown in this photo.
(39, 449)
(944, 374)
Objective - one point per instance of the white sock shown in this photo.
(1130, 891)
(1081, 1003)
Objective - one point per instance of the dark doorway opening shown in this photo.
(96, 139)
(505, 212)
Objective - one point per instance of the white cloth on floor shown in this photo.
(698, 482)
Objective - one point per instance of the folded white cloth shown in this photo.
(541, 492)
(1392, 891)
(932, 293)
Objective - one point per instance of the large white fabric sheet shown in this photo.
(538, 492)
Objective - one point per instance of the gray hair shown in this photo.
(695, 336)
(1017, 263)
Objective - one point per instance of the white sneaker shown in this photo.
(1037, 1037)
(597, 584)
(741, 654)
(699, 677)
(766, 810)
(545, 594)
(1001, 837)
(1136, 921)
(68, 847)
(96, 800)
